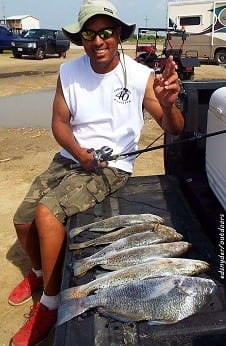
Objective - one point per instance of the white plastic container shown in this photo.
(216, 146)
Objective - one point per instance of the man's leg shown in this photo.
(28, 237)
(29, 240)
(52, 239)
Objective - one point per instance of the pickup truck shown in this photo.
(185, 199)
(41, 43)
(6, 37)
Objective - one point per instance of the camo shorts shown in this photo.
(67, 191)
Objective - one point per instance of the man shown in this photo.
(99, 102)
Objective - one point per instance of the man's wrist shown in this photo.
(170, 106)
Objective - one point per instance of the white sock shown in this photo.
(51, 302)
(38, 273)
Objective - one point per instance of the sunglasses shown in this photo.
(104, 34)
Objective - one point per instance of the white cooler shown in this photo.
(216, 146)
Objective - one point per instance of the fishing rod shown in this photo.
(105, 153)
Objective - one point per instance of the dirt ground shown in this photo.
(25, 152)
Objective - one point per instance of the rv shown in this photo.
(203, 24)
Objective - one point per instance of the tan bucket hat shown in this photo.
(92, 8)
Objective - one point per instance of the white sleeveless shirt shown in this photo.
(103, 112)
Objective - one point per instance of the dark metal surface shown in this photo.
(186, 161)
(159, 195)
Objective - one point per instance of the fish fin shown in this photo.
(103, 312)
(163, 289)
(162, 322)
(69, 309)
(107, 266)
(101, 275)
(102, 229)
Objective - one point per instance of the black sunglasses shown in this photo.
(104, 34)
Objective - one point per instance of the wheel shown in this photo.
(220, 57)
(17, 55)
(186, 75)
(40, 54)
(190, 76)
(62, 55)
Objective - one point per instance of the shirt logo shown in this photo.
(122, 95)
(108, 10)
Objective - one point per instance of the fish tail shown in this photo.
(82, 266)
(75, 231)
(69, 309)
(77, 246)
(72, 292)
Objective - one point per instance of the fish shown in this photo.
(164, 300)
(119, 259)
(114, 222)
(156, 268)
(122, 233)
(139, 239)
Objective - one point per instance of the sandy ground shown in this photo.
(25, 152)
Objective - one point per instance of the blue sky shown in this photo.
(57, 13)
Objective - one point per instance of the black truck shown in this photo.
(184, 198)
(41, 43)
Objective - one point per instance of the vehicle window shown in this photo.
(35, 34)
(32, 34)
(195, 20)
(51, 35)
(60, 35)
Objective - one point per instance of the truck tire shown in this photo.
(220, 57)
(40, 54)
(62, 55)
(17, 55)
(186, 75)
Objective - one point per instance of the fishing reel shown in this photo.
(102, 154)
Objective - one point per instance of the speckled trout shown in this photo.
(156, 228)
(139, 239)
(120, 259)
(164, 300)
(156, 268)
(117, 221)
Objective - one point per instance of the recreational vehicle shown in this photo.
(204, 25)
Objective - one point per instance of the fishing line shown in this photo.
(123, 65)
(150, 145)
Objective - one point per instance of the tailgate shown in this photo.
(159, 195)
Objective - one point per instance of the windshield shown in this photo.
(34, 34)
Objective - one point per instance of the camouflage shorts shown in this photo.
(67, 191)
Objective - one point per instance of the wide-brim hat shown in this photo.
(92, 8)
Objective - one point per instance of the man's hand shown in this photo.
(87, 160)
(167, 86)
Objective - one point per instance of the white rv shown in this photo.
(203, 24)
